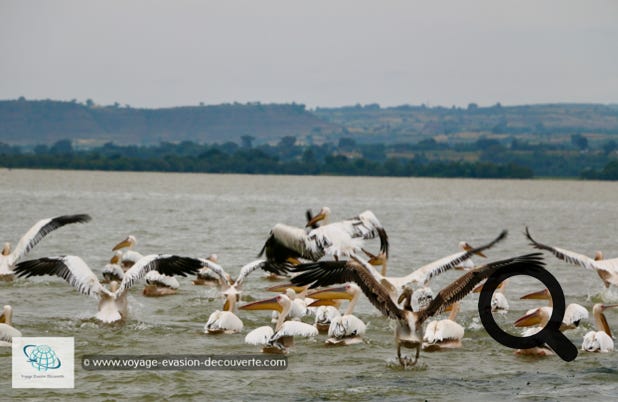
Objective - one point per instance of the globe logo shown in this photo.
(42, 357)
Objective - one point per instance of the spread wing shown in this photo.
(165, 264)
(425, 273)
(326, 273)
(70, 268)
(458, 289)
(39, 230)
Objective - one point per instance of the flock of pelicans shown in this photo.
(325, 264)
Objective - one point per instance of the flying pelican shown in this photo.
(337, 240)
(112, 301)
(158, 284)
(7, 331)
(225, 321)
(444, 334)
(129, 256)
(281, 338)
(346, 329)
(423, 275)
(32, 237)
(408, 323)
(601, 339)
(606, 269)
(112, 271)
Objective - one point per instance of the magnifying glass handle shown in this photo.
(561, 345)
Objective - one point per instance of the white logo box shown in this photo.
(43, 362)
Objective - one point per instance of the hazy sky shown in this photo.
(319, 52)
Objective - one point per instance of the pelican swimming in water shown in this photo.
(537, 318)
(408, 331)
(209, 275)
(33, 236)
(444, 334)
(225, 321)
(346, 328)
(606, 269)
(112, 301)
(337, 240)
(600, 340)
(281, 338)
(158, 285)
(7, 331)
(129, 256)
(112, 271)
(499, 302)
(573, 313)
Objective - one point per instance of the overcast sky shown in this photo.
(317, 52)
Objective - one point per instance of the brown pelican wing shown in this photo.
(326, 273)
(458, 289)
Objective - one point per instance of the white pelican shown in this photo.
(7, 331)
(129, 256)
(112, 271)
(32, 237)
(208, 276)
(225, 321)
(538, 317)
(337, 240)
(606, 269)
(300, 301)
(573, 313)
(326, 311)
(499, 302)
(345, 329)
(158, 284)
(444, 334)
(408, 323)
(112, 301)
(281, 338)
(601, 339)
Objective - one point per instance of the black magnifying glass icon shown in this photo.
(550, 334)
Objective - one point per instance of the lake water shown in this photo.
(230, 215)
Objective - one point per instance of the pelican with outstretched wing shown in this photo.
(113, 301)
(337, 240)
(408, 323)
(33, 236)
(606, 269)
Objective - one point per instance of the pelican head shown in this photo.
(6, 250)
(598, 255)
(116, 257)
(538, 316)
(540, 295)
(345, 292)
(321, 216)
(213, 257)
(6, 316)
(276, 303)
(464, 245)
(129, 242)
(283, 288)
(232, 295)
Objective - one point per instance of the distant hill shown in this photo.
(535, 123)
(26, 122)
